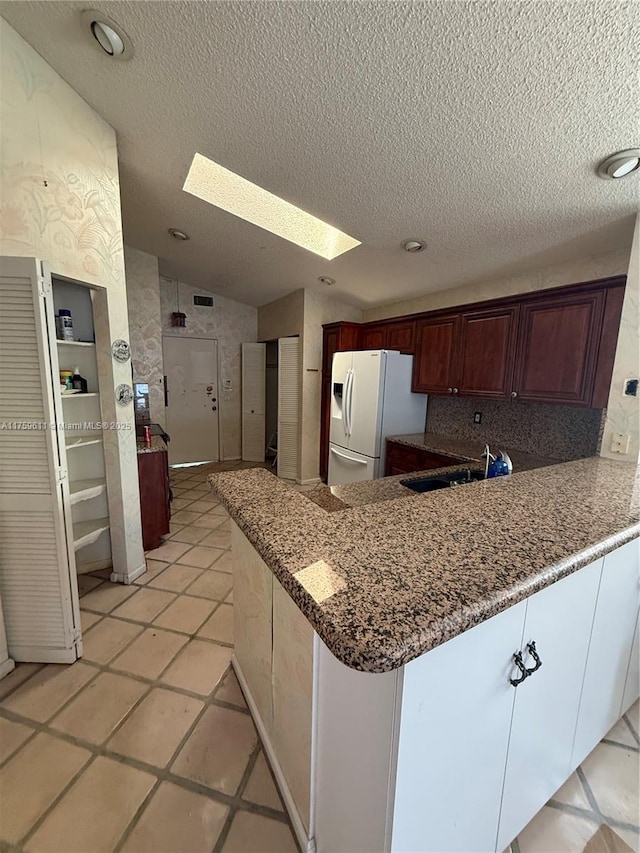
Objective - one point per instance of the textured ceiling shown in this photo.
(473, 125)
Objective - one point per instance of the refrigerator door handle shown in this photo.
(349, 400)
(346, 404)
(348, 458)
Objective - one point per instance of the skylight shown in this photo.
(213, 183)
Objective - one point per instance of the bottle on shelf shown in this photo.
(64, 325)
(78, 382)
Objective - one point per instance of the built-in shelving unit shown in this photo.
(87, 532)
(80, 396)
(85, 449)
(84, 490)
(74, 440)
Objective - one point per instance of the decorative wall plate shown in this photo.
(120, 350)
(124, 394)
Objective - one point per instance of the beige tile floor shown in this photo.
(147, 745)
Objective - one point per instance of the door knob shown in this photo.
(213, 400)
(214, 408)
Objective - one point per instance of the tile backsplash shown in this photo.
(559, 432)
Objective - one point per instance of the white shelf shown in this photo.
(84, 490)
(74, 343)
(79, 396)
(87, 532)
(73, 440)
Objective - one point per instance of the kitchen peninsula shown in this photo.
(378, 647)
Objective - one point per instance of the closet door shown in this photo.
(38, 584)
(254, 361)
(288, 407)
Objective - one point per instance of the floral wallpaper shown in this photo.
(60, 202)
(145, 326)
(230, 323)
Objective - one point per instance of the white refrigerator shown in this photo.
(370, 399)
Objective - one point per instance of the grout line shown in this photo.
(56, 800)
(631, 728)
(589, 793)
(619, 745)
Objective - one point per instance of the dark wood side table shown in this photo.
(153, 474)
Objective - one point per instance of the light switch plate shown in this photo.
(620, 442)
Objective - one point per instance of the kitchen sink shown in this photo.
(443, 481)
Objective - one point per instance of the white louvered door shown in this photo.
(288, 408)
(254, 360)
(38, 584)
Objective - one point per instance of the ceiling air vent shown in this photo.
(203, 301)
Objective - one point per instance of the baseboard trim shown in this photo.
(312, 481)
(118, 577)
(306, 844)
(6, 667)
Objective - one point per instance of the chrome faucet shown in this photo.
(488, 455)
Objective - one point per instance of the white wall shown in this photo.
(145, 326)
(583, 269)
(60, 195)
(229, 322)
(318, 309)
(623, 412)
(303, 313)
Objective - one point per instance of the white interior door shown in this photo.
(288, 408)
(191, 371)
(254, 361)
(38, 583)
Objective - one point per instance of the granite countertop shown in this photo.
(471, 450)
(386, 582)
(387, 488)
(157, 445)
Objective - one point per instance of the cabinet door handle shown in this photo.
(531, 648)
(514, 394)
(455, 390)
(517, 659)
(449, 390)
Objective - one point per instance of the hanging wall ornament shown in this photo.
(120, 350)
(124, 394)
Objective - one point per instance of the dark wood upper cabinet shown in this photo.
(401, 336)
(373, 337)
(485, 359)
(558, 347)
(552, 346)
(434, 362)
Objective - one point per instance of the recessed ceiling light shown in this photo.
(324, 279)
(621, 164)
(178, 235)
(108, 34)
(414, 245)
(213, 183)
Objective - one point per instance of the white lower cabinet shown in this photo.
(610, 650)
(457, 703)
(558, 622)
(445, 753)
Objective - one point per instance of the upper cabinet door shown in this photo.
(434, 362)
(558, 348)
(373, 338)
(486, 356)
(401, 336)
